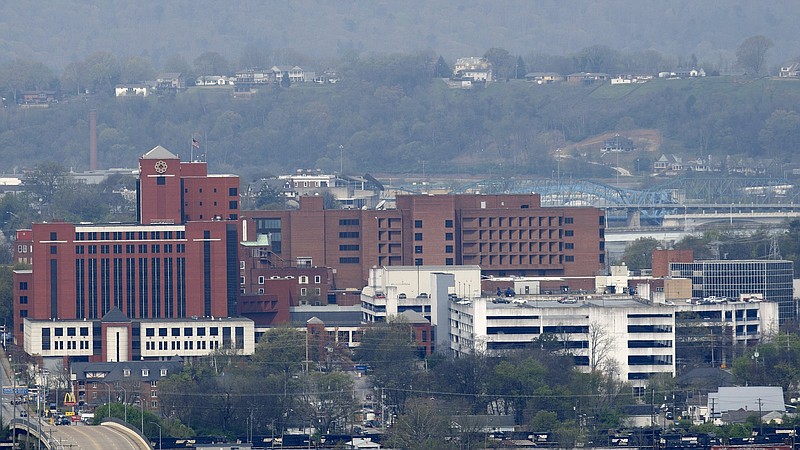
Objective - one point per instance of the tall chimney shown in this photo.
(92, 139)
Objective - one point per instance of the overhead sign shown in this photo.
(7, 390)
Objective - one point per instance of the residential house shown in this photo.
(170, 81)
(544, 77)
(295, 74)
(617, 144)
(329, 76)
(749, 166)
(132, 382)
(587, 77)
(668, 164)
(790, 70)
(475, 69)
(248, 81)
(131, 90)
(631, 78)
(37, 98)
(215, 80)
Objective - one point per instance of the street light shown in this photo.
(125, 403)
(159, 434)
(108, 385)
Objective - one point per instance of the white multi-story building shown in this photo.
(631, 339)
(424, 289)
(116, 338)
(634, 339)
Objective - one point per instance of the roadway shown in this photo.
(76, 436)
(101, 437)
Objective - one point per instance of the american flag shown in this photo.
(195, 143)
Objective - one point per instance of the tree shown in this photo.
(102, 72)
(422, 426)
(332, 399)
(211, 63)
(137, 70)
(390, 350)
(639, 253)
(502, 62)
(45, 180)
(442, 69)
(781, 130)
(519, 69)
(751, 55)
(601, 349)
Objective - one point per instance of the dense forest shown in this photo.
(62, 31)
(390, 115)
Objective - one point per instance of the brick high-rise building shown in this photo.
(503, 234)
(179, 260)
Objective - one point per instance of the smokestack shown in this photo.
(92, 139)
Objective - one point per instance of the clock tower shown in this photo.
(160, 194)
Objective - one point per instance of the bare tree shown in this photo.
(601, 349)
(751, 54)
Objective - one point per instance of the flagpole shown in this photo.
(191, 150)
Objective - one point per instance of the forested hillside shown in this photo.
(388, 115)
(58, 32)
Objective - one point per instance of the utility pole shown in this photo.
(760, 421)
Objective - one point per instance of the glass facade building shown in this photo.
(771, 279)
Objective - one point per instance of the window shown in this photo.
(569, 233)
(303, 292)
(349, 260)
(23, 299)
(417, 224)
(347, 222)
(348, 234)
(303, 279)
(448, 223)
(23, 285)
(569, 220)
(417, 249)
(145, 372)
(161, 181)
(349, 248)
(569, 258)
(233, 192)
(569, 245)
(150, 332)
(448, 249)
(233, 204)
(448, 236)
(163, 372)
(261, 279)
(53, 250)
(448, 261)
(126, 372)
(317, 279)
(153, 394)
(418, 262)
(417, 236)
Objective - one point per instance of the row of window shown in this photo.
(176, 345)
(448, 223)
(129, 235)
(233, 204)
(302, 279)
(232, 192)
(129, 249)
(187, 331)
(447, 236)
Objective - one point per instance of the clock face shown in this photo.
(161, 167)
